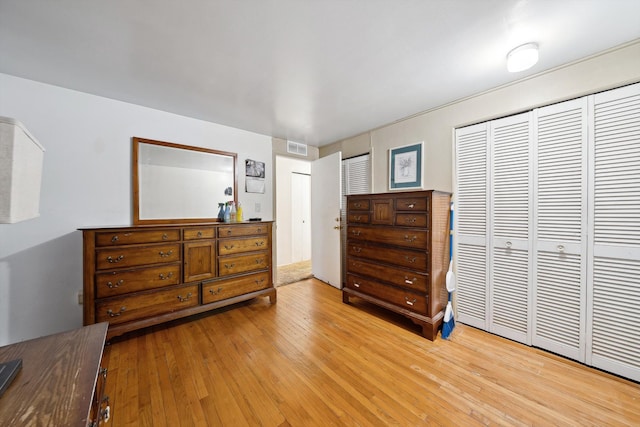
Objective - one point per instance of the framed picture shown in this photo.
(254, 176)
(405, 167)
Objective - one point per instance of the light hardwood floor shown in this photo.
(311, 360)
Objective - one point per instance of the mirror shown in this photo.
(175, 183)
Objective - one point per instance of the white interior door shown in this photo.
(300, 217)
(325, 219)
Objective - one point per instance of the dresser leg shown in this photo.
(345, 297)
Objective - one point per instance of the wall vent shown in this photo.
(296, 148)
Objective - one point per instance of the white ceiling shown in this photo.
(311, 71)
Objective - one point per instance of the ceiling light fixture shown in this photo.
(522, 58)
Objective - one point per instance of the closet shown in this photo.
(548, 228)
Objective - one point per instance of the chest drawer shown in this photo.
(358, 217)
(136, 236)
(406, 237)
(415, 260)
(393, 275)
(223, 289)
(412, 204)
(358, 204)
(139, 306)
(242, 230)
(396, 296)
(135, 256)
(244, 263)
(234, 246)
(120, 282)
(199, 233)
(418, 219)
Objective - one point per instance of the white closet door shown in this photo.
(470, 219)
(614, 267)
(511, 185)
(559, 268)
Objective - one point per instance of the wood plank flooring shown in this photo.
(310, 360)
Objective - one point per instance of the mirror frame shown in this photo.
(136, 184)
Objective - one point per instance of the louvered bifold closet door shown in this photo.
(614, 267)
(560, 190)
(511, 185)
(470, 225)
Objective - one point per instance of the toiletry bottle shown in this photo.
(232, 212)
(227, 213)
(239, 213)
(221, 212)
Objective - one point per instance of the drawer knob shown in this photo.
(112, 314)
(215, 292)
(410, 302)
(508, 244)
(115, 285)
(165, 277)
(113, 260)
(165, 254)
(560, 248)
(183, 299)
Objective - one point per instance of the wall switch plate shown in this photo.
(257, 209)
(80, 298)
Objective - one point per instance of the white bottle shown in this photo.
(232, 212)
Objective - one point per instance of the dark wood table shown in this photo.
(56, 384)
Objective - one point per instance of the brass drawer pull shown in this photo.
(112, 314)
(260, 243)
(115, 238)
(199, 233)
(355, 232)
(410, 302)
(259, 281)
(357, 285)
(411, 205)
(165, 236)
(411, 220)
(411, 260)
(357, 205)
(410, 239)
(357, 249)
(215, 292)
(114, 260)
(228, 266)
(229, 247)
(183, 299)
(115, 285)
(410, 282)
(259, 230)
(259, 261)
(165, 254)
(229, 232)
(168, 276)
(359, 218)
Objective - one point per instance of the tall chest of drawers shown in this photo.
(398, 253)
(141, 276)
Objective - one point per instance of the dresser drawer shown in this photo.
(392, 236)
(418, 219)
(132, 237)
(242, 230)
(412, 204)
(400, 297)
(120, 282)
(358, 218)
(135, 256)
(223, 289)
(415, 260)
(393, 275)
(234, 246)
(199, 233)
(240, 264)
(140, 306)
(359, 205)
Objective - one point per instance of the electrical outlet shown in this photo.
(80, 298)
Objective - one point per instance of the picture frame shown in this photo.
(406, 167)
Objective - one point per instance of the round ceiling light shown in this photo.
(522, 57)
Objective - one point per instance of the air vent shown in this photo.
(296, 148)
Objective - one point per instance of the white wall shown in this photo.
(86, 183)
(285, 166)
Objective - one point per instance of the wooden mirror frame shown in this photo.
(136, 182)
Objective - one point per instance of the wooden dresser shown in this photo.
(60, 383)
(140, 276)
(398, 253)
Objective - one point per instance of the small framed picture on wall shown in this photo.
(405, 167)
